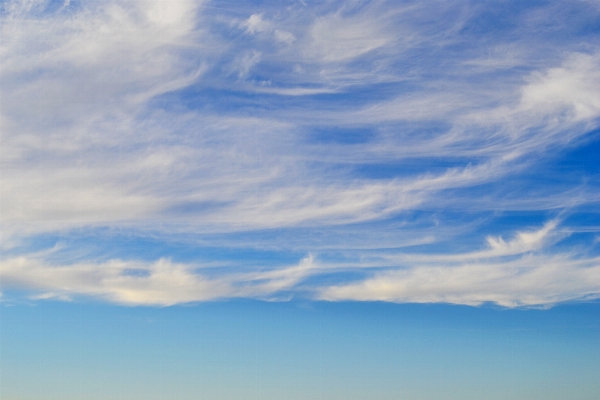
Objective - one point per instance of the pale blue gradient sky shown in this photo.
(299, 350)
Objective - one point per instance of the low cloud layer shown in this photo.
(514, 273)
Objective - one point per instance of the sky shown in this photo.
(269, 190)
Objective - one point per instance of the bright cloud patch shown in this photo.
(135, 283)
(528, 278)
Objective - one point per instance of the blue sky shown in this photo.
(335, 153)
(295, 350)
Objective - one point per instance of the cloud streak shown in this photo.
(516, 273)
(529, 281)
(519, 272)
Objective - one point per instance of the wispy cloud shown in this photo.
(137, 283)
(527, 281)
(365, 124)
(334, 38)
(519, 272)
(160, 283)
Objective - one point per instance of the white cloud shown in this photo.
(161, 283)
(284, 36)
(524, 276)
(95, 132)
(255, 24)
(575, 86)
(336, 39)
(523, 241)
(172, 13)
(245, 62)
(78, 175)
(529, 281)
(509, 274)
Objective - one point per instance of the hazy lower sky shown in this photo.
(360, 199)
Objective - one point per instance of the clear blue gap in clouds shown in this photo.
(162, 153)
